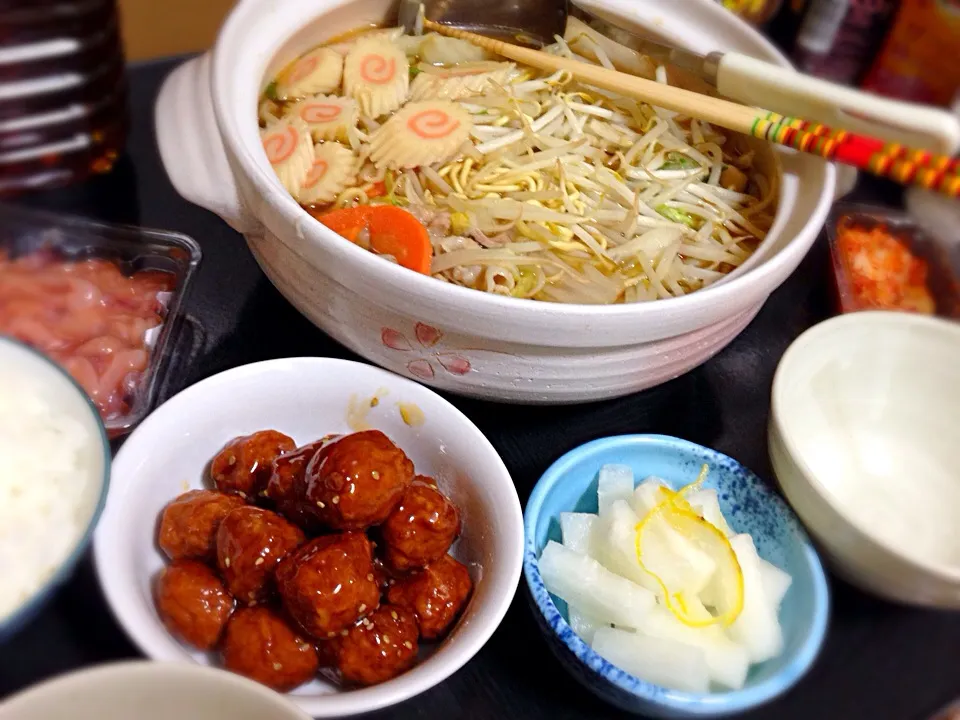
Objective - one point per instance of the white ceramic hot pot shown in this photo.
(446, 336)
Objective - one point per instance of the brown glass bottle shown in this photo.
(838, 39)
(63, 113)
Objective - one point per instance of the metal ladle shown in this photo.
(528, 22)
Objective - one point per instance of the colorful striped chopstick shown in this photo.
(896, 162)
(891, 160)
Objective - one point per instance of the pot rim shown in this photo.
(736, 292)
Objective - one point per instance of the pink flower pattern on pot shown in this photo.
(428, 338)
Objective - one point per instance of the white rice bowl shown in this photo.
(54, 460)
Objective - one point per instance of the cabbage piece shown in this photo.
(440, 50)
(679, 216)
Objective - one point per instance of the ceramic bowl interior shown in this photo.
(292, 28)
(149, 691)
(308, 398)
(865, 414)
(749, 506)
(361, 13)
(61, 392)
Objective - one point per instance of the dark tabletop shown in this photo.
(879, 662)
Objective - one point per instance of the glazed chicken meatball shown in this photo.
(193, 603)
(421, 529)
(285, 485)
(260, 645)
(189, 524)
(244, 465)
(381, 574)
(379, 647)
(425, 480)
(356, 481)
(328, 584)
(250, 543)
(327, 652)
(436, 594)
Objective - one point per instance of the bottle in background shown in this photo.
(838, 39)
(63, 113)
(755, 12)
(920, 60)
(783, 27)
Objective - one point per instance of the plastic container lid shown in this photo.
(87, 316)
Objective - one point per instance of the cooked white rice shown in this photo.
(46, 471)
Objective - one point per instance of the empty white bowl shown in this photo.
(149, 691)
(308, 398)
(864, 437)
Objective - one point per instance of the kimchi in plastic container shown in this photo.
(104, 301)
(883, 260)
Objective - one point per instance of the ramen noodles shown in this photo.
(516, 182)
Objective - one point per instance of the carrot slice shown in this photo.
(378, 189)
(346, 222)
(392, 230)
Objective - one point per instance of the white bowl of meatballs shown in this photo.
(323, 527)
(458, 254)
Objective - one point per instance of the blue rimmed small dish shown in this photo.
(570, 485)
(67, 397)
